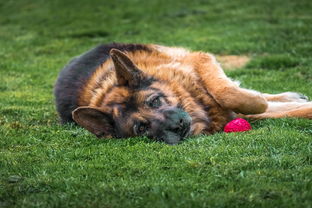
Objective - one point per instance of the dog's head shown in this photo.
(139, 105)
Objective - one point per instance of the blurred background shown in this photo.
(242, 26)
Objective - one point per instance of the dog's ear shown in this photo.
(126, 71)
(94, 120)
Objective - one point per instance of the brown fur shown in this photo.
(192, 80)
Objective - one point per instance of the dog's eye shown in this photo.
(141, 128)
(155, 103)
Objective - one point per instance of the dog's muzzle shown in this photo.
(176, 126)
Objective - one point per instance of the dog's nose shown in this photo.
(180, 126)
(178, 121)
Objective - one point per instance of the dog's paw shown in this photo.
(295, 97)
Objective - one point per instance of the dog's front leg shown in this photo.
(226, 92)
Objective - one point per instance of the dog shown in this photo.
(164, 93)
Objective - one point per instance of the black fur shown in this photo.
(74, 76)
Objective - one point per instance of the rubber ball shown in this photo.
(237, 125)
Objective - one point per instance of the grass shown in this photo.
(44, 164)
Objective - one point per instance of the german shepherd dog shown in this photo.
(164, 93)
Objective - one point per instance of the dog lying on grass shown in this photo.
(164, 93)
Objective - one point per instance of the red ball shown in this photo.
(237, 125)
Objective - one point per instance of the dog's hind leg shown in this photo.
(284, 110)
(286, 97)
(225, 91)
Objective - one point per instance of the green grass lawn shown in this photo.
(44, 164)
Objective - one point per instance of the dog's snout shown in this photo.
(180, 126)
(178, 121)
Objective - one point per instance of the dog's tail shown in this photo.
(232, 62)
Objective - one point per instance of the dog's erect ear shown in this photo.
(94, 120)
(126, 71)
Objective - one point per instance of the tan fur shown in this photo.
(231, 62)
(285, 97)
(287, 110)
